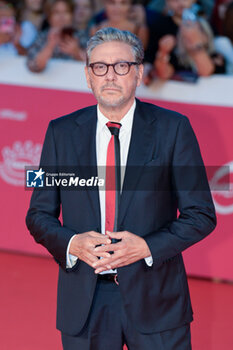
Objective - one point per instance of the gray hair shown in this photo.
(112, 34)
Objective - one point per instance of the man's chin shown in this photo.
(111, 102)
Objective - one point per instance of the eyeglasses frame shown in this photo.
(91, 65)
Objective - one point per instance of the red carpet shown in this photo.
(28, 307)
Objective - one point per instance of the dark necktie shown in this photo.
(113, 179)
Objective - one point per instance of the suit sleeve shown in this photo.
(42, 218)
(190, 185)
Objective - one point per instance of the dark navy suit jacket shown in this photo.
(162, 147)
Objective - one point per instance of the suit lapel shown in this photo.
(84, 140)
(140, 152)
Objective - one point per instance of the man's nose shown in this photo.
(110, 75)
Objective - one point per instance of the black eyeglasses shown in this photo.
(120, 68)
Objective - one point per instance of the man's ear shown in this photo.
(87, 77)
(140, 74)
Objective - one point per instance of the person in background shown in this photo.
(206, 6)
(194, 52)
(59, 41)
(218, 15)
(143, 15)
(117, 16)
(10, 31)
(83, 13)
(31, 17)
(138, 12)
(224, 42)
(168, 24)
(184, 45)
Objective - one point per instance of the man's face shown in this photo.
(112, 90)
(83, 11)
(34, 5)
(117, 10)
(61, 15)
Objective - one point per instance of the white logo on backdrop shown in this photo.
(15, 158)
(223, 198)
(13, 115)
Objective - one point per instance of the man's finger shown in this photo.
(120, 262)
(110, 247)
(89, 258)
(101, 240)
(105, 268)
(101, 254)
(116, 264)
(96, 234)
(101, 262)
(109, 261)
(113, 265)
(118, 235)
(100, 236)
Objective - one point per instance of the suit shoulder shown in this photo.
(162, 114)
(68, 120)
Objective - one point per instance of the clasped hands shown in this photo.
(91, 245)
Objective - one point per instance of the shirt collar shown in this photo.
(126, 121)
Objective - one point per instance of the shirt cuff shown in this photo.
(148, 260)
(70, 259)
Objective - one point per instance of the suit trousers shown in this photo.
(109, 328)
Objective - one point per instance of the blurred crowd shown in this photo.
(183, 39)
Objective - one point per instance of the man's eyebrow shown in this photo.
(117, 61)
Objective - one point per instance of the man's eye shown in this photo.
(100, 66)
(122, 65)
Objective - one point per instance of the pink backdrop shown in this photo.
(24, 116)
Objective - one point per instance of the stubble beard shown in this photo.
(109, 103)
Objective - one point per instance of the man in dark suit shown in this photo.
(125, 284)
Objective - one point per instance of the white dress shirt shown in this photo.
(103, 136)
